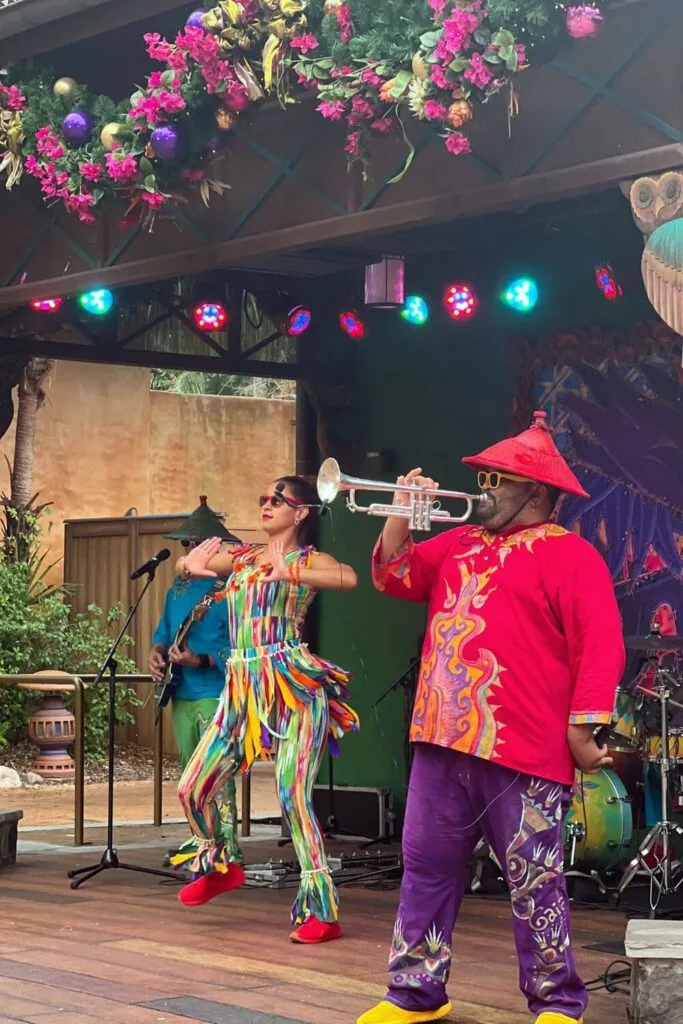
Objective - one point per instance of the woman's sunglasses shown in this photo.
(276, 500)
(491, 481)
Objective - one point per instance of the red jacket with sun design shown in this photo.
(523, 637)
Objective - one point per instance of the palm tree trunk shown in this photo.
(19, 526)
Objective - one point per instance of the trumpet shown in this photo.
(423, 509)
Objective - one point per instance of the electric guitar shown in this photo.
(163, 689)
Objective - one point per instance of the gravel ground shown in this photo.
(133, 764)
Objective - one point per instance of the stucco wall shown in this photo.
(105, 442)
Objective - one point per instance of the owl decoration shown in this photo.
(657, 207)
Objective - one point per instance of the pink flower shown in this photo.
(520, 48)
(155, 80)
(437, 6)
(438, 77)
(383, 125)
(12, 97)
(353, 144)
(305, 81)
(91, 171)
(458, 29)
(361, 106)
(478, 73)
(86, 217)
(171, 102)
(153, 199)
(304, 43)
(235, 97)
(345, 23)
(333, 110)
(457, 143)
(369, 77)
(435, 111)
(177, 61)
(31, 165)
(342, 72)
(121, 168)
(157, 48)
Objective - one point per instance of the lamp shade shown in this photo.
(384, 283)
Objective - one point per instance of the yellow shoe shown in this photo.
(550, 1017)
(388, 1013)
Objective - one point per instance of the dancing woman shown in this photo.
(276, 689)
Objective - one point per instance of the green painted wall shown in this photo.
(431, 395)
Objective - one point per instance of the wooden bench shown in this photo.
(9, 826)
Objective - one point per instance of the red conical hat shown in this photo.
(532, 454)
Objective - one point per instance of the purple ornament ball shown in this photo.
(77, 127)
(168, 142)
(195, 20)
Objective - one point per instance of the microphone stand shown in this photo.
(406, 681)
(110, 858)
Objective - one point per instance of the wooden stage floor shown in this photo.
(124, 949)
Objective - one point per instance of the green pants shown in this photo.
(190, 720)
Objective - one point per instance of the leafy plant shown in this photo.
(38, 632)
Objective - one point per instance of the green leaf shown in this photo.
(146, 166)
(98, 194)
(168, 78)
(429, 40)
(482, 36)
(458, 64)
(492, 58)
(150, 183)
(403, 80)
(505, 52)
(503, 38)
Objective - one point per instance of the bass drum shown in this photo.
(599, 825)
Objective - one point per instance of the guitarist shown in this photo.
(199, 667)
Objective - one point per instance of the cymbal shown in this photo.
(654, 643)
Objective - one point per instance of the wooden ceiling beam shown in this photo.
(115, 355)
(351, 228)
(47, 35)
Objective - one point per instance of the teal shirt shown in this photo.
(210, 636)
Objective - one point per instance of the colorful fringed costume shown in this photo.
(276, 689)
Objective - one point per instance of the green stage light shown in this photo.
(97, 302)
(521, 295)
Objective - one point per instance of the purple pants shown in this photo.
(453, 799)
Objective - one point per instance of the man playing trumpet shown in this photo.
(521, 660)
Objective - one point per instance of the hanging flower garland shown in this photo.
(369, 65)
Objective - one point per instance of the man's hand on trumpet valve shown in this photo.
(413, 479)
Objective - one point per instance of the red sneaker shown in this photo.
(313, 931)
(206, 887)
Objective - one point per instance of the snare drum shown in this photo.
(599, 825)
(626, 730)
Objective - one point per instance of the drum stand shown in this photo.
(661, 880)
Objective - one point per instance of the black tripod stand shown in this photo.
(110, 858)
(407, 682)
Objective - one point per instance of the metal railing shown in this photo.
(47, 682)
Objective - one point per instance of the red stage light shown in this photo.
(352, 324)
(298, 320)
(46, 305)
(607, 283)
(460, 302)
(210, 316)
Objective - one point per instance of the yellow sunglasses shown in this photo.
(491, 481)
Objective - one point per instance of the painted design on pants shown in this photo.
(424, 964)
(527, 875)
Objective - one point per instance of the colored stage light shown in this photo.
(352, 324)
(98, 302)
(460, 302)
(298, 321)
(47, 305)
(607, 283)
(210, 316)
(521, 295)
(415, 310)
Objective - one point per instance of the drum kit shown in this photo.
(646, 730)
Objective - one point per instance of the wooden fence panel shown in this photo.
(99, 556)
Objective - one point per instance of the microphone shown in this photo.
(151, 565)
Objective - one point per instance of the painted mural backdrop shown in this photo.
(615, 403)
